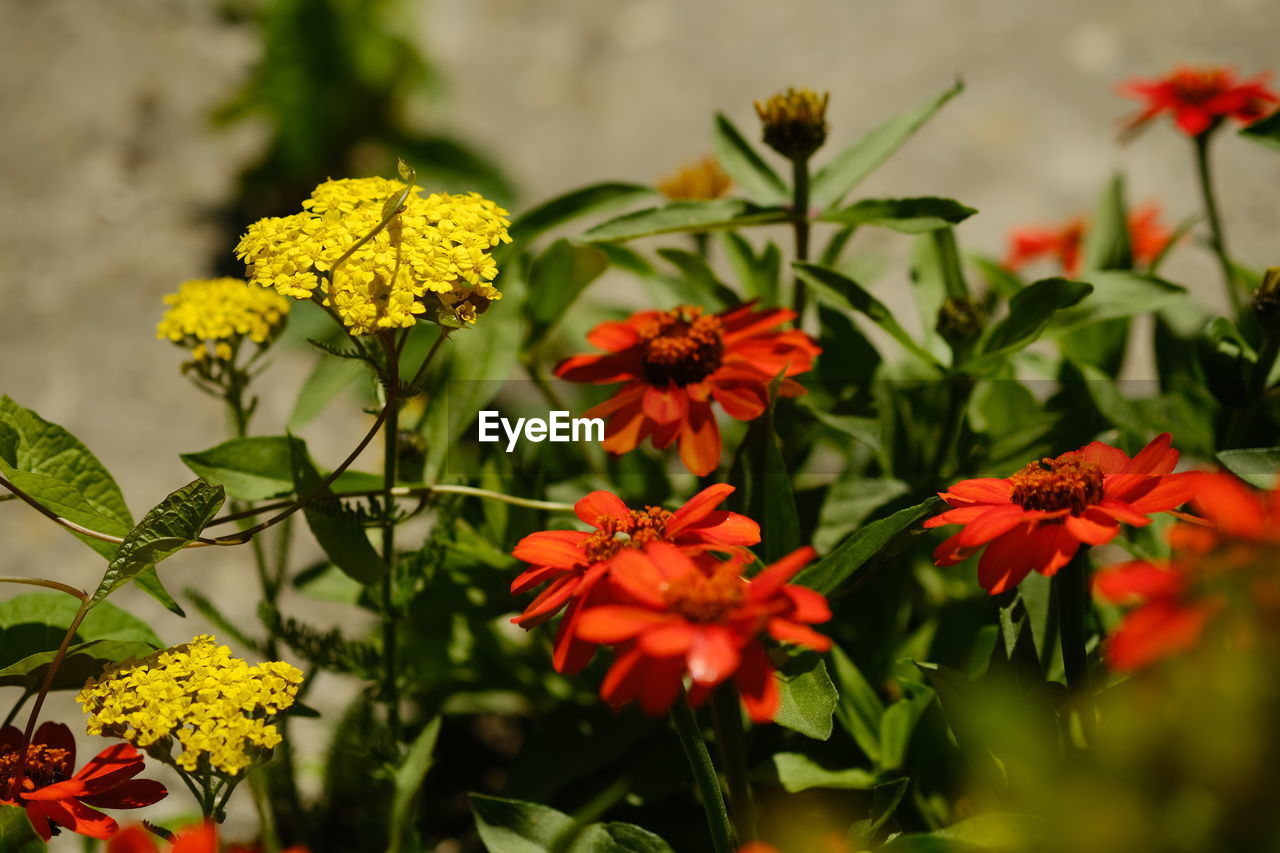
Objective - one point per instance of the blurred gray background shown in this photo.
(110, 170)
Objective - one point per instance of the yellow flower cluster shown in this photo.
(438, 244)
(211, 704)
(698, 181)
(218, 313)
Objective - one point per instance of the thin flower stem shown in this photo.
(390, 685)
(431, 355)
(800, 220)
(704, 775)
(48, 584)
(1217, 241)
(1071, 592)
(726, 716)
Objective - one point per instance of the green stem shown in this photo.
(726, 716)
(1071, 588)
(958, 391)
(391, 434)
(800, 219)
(704, 776)
(1217, 241)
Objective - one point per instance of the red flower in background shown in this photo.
(572, 562)
(1199, 99)
(136, 839)
(1177, 599)
(1148, 237)
(1037, 519)
(676, 363)
(53, 796)
(675, 616)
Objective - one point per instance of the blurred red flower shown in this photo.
(55, 797)
(1148, 237)
(572, 562)
(197, 839)
(675, 616)
(1037, 519)
(1176, 599)
(1200, 98)
(676, 363)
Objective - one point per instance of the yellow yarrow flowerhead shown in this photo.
(211, 317)
(703, 180)
(195, 698)
(435, 253)
(795, 122)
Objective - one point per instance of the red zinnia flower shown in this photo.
(677, 616)
(1147, 239)
(675, 363)
(1176, 599)
(1200, 98)
(574, 562)
(1037, 519)
(52, 795)
(136, 839)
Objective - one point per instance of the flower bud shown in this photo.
(960, 319)
(1266, 300)
(795, 122)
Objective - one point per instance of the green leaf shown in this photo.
(1115, 295)
(757, 274)
(885, 801)
(148, 580)
(329, 378)
(1265, 132)
(250, 469)
(513, 826)
(711, 292)
(342, 537)
(82, 662)
(808, 697)
(409, 778)
(899, 723)
(745, 165)
(596, 198)
(684, 216)
(764, 486)
(908, 215)
(165, 530)
(1030, 311)
(1106, 241)
(16, 832)
(860, 710)
(618, 838)
(848, 168)
(1257, 466)
(1226, 359)
(857, 551)
(53, 467)
(798, 772)
(1000, 831)
(844, 292)
(559, 275)
(849, 502)
(37, 621)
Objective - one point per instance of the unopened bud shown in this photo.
(960, 319)
(795, 122)
(1266, 300)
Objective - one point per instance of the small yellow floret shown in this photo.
(437, 244)
(218, 313)
(209, 704)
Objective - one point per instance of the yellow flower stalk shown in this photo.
(210, 316)
(437, 249)
(703, 180)
(195, 698)
(795, 122)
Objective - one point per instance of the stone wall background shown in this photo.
(109, 170)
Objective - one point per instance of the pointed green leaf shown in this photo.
(908, 215)
(1257, 466)
(857, 551)
(712, 292)
(82, 662)
(1117, 294)
(1265, 132)
(329, 378)
(798, 772)
(764, 486)
(1030, 311)
(409, 778)
(684, 216)
(343, 539)
(860, 710)
(165, 530)
(848, 168)
(745, 165)
(593, 199)
(808, 699)
(250, 469)
(1106, 241)
(559, 275)
(899, 724)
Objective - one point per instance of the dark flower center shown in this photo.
(1196, 87)
(635, 530)
(709, 596)
(1057, 484)
(682, 346)
(45, 766)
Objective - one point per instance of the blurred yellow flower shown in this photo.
(702, 180)
(214, 314)
(195, 696)
(437, 244)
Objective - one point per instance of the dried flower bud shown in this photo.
(960, 319)
(1266, 300)
(795, 122)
